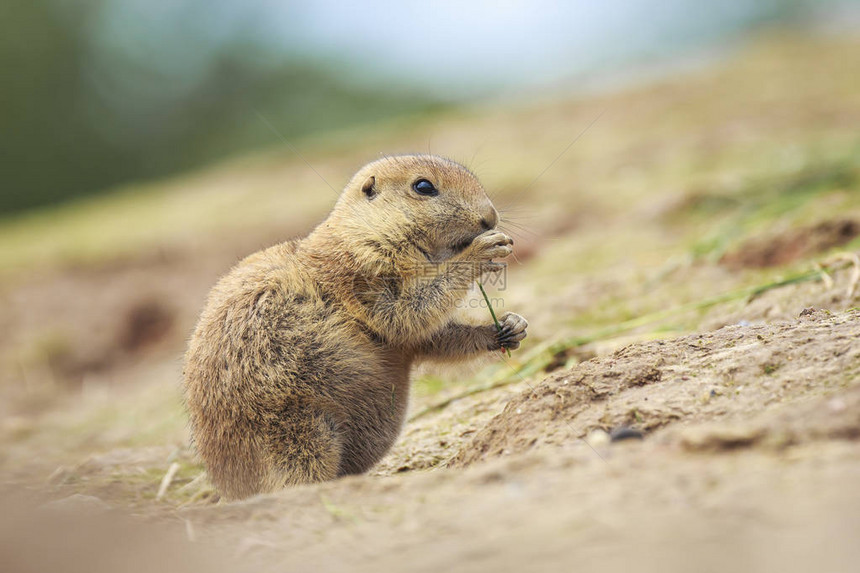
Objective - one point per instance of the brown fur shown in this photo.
(298, 370)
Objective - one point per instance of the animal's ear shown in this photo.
(369, 187)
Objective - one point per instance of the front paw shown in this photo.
(512, 330)
(490, 245)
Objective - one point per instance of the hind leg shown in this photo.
(303, 448)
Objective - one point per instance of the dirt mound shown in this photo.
(735, 371)
(834, 417)
(791, 245)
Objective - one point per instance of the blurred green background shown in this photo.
(97, 93)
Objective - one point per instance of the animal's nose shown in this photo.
(491, 217)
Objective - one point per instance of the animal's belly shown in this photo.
(374, 425)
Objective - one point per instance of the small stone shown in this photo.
(598, 438)
(720, 437)
(807, 311)
(625, 433)
(837, 405)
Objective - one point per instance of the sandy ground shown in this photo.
(688, 397)
(746, 457)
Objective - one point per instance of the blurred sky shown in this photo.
(111, 91)
(460, 48)
(449, 47)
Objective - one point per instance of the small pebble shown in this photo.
(837, 405)
(625, 433)
(598, 438)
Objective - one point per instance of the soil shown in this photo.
(733, 372)
(787, 247)
(750, 460)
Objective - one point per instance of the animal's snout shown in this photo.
(490, 218)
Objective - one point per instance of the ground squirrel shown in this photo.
(298, 370)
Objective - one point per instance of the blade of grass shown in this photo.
(492, 313)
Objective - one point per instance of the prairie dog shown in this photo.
(298, 370)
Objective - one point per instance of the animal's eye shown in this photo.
(424, 187)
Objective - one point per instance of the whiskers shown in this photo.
(516, 218)
(507, 225)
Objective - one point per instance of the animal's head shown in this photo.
(415, 208)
